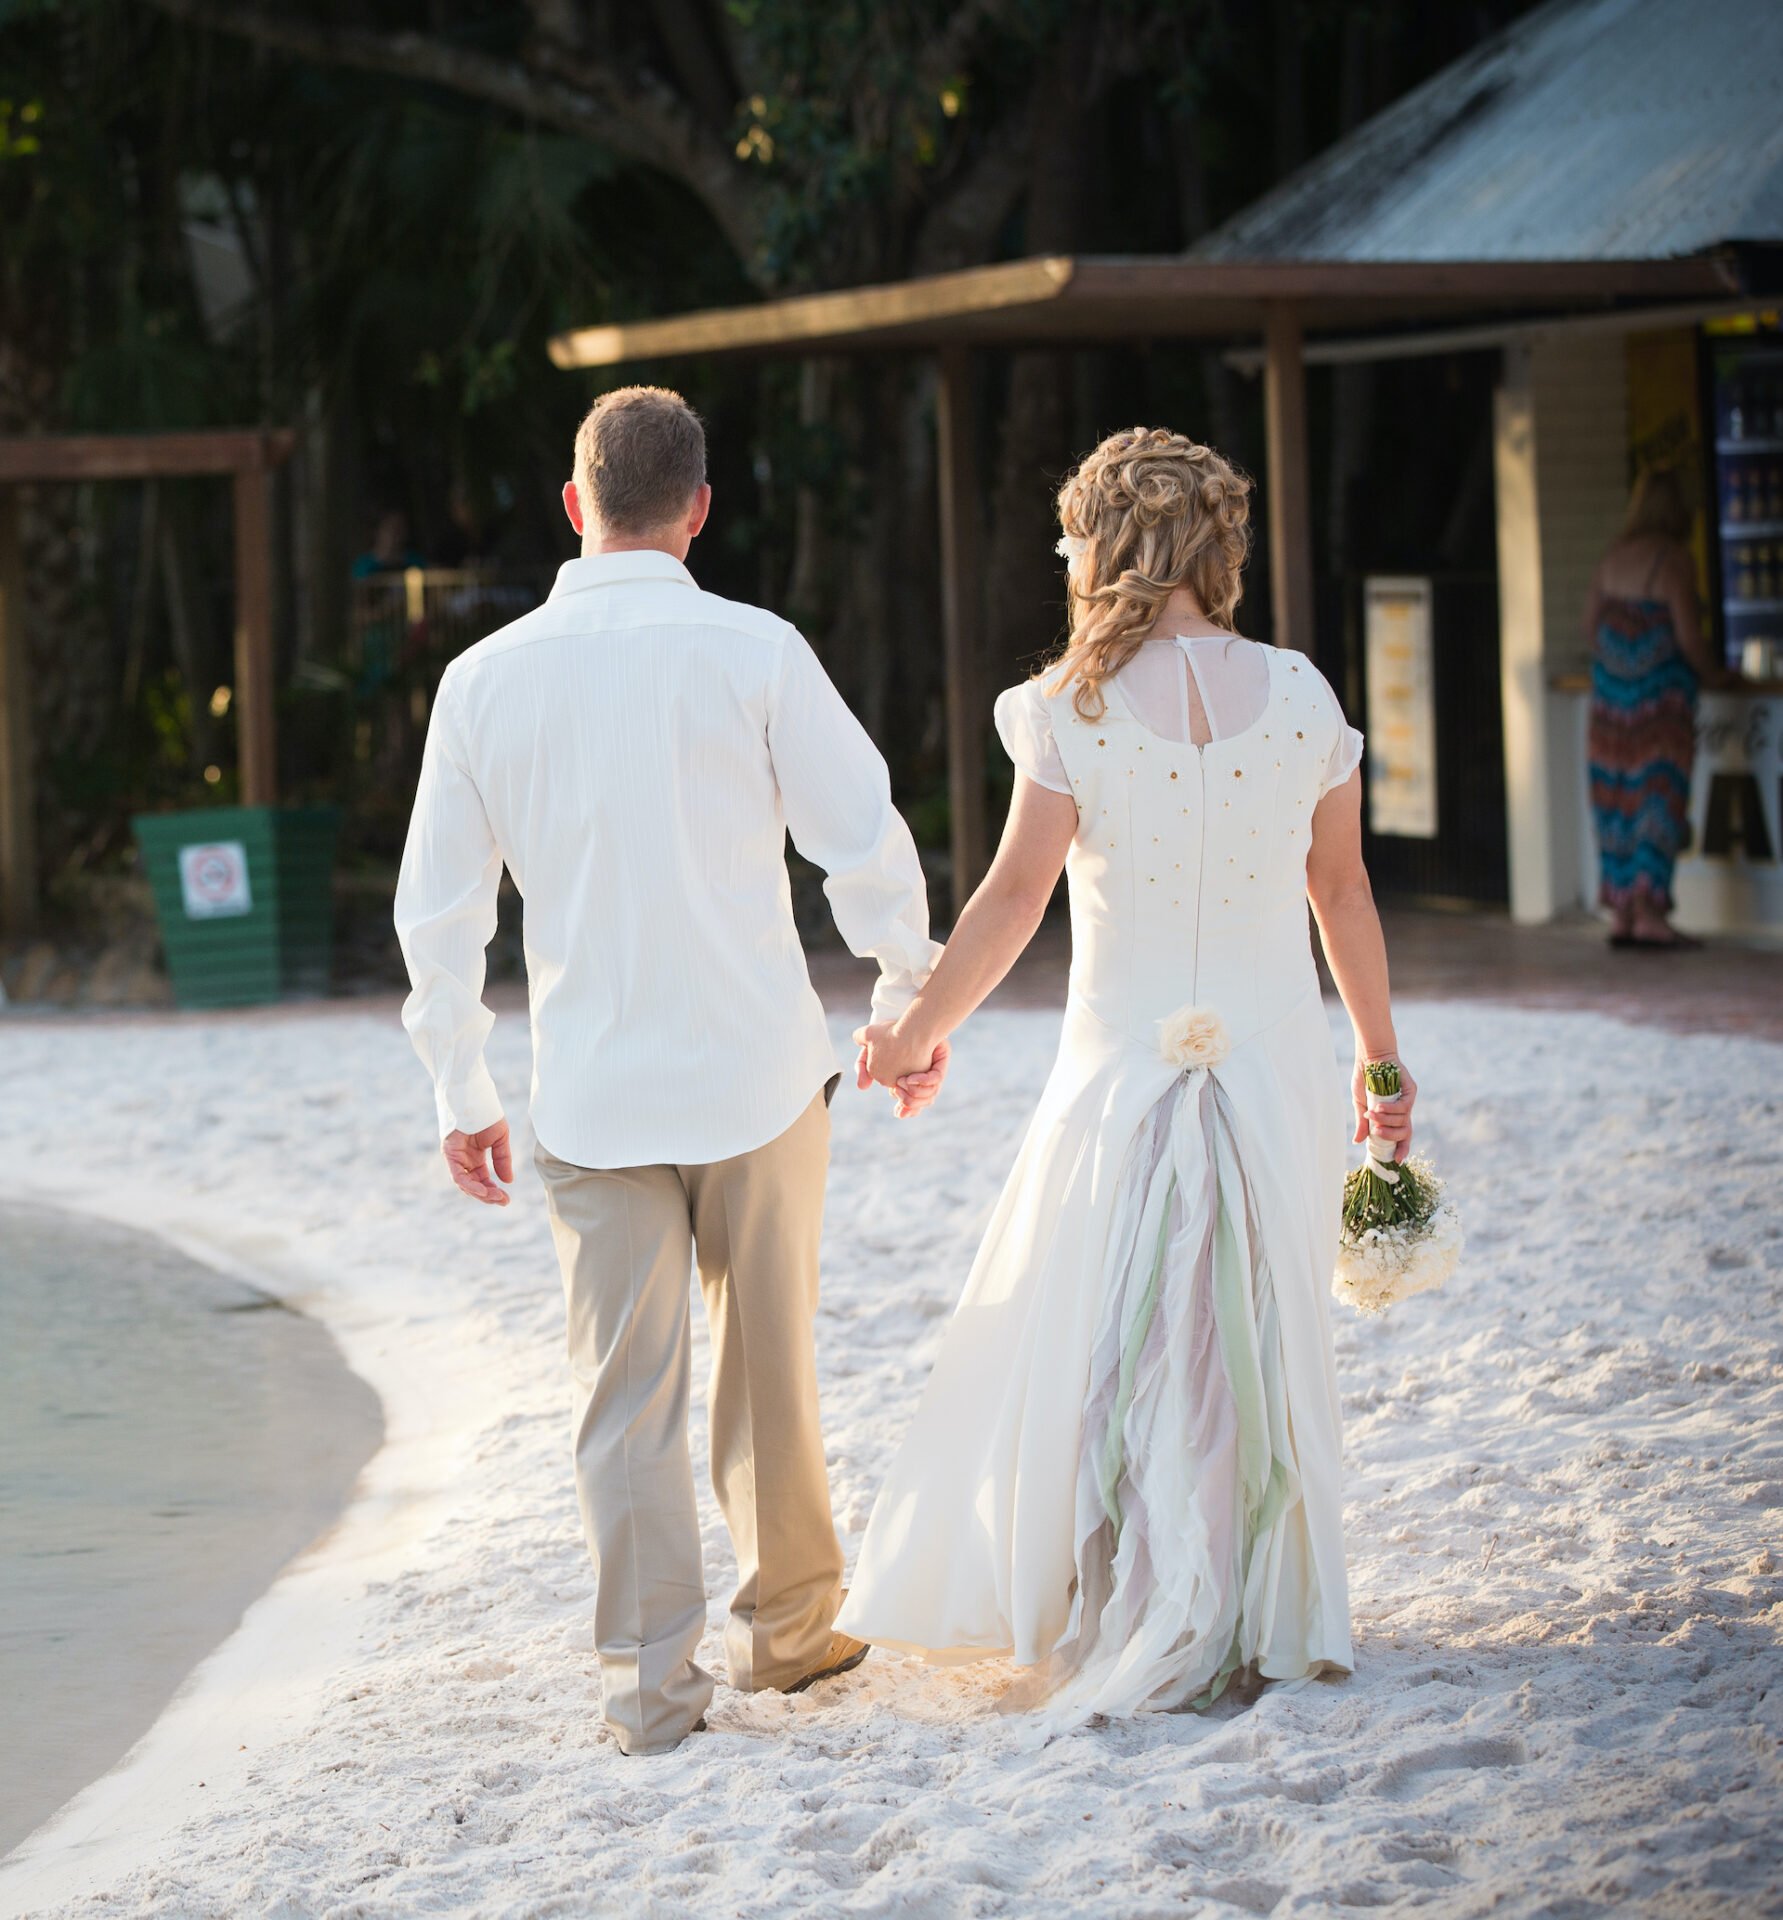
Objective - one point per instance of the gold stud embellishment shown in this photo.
(1298, 735)
(1173, 776)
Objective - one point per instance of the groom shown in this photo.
(634, 753)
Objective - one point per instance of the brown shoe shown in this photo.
(843, 1657)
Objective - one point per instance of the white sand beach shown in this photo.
(1565, 1478)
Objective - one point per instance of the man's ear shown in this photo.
(702, 505)
(572, 504)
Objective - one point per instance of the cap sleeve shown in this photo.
(1025, 728)
(1346, 746)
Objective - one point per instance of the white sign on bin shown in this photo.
(1401, 708)
(214, 880)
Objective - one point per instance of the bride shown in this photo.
(1124, 1472)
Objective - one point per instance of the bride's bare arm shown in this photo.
(999, 920)
(1350, 932)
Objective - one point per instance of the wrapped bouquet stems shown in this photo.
(1401, 1233)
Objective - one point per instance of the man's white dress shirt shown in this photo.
(635, 751)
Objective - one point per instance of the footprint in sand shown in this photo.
(1404, 1778)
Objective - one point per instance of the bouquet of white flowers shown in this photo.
(1401, 1233)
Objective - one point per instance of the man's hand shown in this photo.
(466, 1156)
(911, 1073)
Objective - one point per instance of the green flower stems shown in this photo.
(1368, 1200)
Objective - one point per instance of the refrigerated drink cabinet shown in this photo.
(1746, 392)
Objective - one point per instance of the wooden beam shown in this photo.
(961, 618)
(18, 827)
(1110, 280)
(142, 456)
(1288, 482)
(256, 752)
(817, 317)
(1090, 299)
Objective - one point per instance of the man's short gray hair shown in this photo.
(640, 459)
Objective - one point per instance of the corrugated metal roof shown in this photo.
(1589, 130)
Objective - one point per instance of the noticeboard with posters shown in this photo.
(1401, 697)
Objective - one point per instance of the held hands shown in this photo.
(910, 1072)
(465, 1158)
(1391, 1123)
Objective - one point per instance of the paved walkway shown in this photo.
(1723, 988)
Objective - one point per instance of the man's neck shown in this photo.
(675, 548)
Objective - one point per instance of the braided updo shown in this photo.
(1153, 510)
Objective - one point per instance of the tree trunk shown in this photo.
(188, 617)
(69, 662)
(807, 586)
(1022, 574)
(1352, 388)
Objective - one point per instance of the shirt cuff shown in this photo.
(898, 986)
(468, 1105)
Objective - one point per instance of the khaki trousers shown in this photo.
(626, 1240)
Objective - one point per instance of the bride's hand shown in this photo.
(912, 1073)
(1392, 1122)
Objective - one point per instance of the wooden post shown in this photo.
(961, 618)
(1288, 480)
(18, 827)
(256, 751)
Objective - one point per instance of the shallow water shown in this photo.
(169, 1438)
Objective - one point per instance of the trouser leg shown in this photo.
(757, 1221)
(624, 1241)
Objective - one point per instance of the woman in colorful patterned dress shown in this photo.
(1125, 1473)
(1649, 658)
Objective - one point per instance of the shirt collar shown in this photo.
(607, 569)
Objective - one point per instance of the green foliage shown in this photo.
(18, 129)
(859, 126)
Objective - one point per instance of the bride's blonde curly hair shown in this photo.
(1153, 510)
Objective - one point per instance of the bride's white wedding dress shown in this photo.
(1124, 1470)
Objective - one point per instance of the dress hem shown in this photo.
(1314, 1669)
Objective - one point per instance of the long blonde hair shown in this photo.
(1146, 512)
(1657, 505)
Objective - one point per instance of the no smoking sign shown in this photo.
(214, 880)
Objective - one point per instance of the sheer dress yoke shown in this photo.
(1230, 675)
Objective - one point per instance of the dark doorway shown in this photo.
(1468, 858)
(1404, 450)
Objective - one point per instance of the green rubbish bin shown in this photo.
(245, 900)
